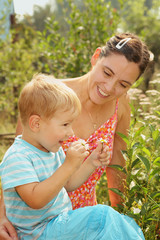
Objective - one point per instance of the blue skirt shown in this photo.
(98, 222)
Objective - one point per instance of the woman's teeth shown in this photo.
(103, 93)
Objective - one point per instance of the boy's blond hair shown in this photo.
(44, 95)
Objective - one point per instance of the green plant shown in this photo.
(142, 189)
(142, 177)
(67, 54)
(140, 19)
(18, 64)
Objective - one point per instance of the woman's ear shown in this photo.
(95, 56)
(34, 123)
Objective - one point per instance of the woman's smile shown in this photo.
(101, 93)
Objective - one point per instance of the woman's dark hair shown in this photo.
(133, 49)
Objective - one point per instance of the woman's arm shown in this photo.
(7, 231)
(116, 178)
(19, 127)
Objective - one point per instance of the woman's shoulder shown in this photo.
(70, 82)
(123, 105)
(124, 99)
(75, 83)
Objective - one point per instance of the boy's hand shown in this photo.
(101, 155)
(76, 154)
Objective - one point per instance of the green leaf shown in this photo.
(154, 173)
(143, 210)
(136, 145)
(118, 167)
(132, 215)
(157, 161)
(117, 191)
(145, 161)
(132, 108)
(135, 162)
(158, 112)
(124, 137)
(157, 142)
(125, 154)
(153, 219)
(152, 128)
(138, 82)
(135, 189)
(145, 190)
(143, 137)
(155, 134)
(146, 151)
(139, 131)
(155, 194)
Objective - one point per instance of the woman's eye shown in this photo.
(65, 124)
(108, 74)
(124, 86)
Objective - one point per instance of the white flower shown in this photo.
(83, 142)
(102, 140)
(136, 210)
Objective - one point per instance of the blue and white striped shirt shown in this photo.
(22, 164)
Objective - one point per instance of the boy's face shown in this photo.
(53, 132)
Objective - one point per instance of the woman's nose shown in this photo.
(110, 85)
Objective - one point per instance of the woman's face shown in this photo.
(111, 77)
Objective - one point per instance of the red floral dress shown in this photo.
(85, 195)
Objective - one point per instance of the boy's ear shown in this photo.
(95, 56)
(34, 123)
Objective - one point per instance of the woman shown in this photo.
(105, 111)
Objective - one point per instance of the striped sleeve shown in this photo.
(62, 155)
(17, 170)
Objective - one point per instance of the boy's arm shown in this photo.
(80, 176)
(7, 231)
(97, 158)
(38, 194)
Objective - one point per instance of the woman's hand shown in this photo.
(7, 231)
